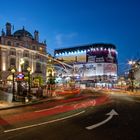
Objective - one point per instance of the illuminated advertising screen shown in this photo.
(110, 68)
(85, 70)
(101, 56)
(95, 69)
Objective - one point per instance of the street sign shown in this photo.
(20, 76)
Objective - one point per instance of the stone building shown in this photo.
(19, 46)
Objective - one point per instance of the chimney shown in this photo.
(8, 29)
(36, 36)
(2, 33)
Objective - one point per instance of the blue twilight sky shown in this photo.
(65, 23)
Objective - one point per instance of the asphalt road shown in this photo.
(87, 123)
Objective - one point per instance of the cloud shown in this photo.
(62, 39)
(71, 36)
(58, 40)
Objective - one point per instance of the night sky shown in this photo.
(66, 23)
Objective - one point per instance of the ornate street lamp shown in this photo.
(29, 70)
(13, 73)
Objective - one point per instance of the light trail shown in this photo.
(49, 108)
(18, 118)
(48, 122)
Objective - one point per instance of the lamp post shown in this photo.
(131, 74)
(19, 87)
(21, 63)
(29, 89)
(132, 79)
(131, 62)
(13, 73)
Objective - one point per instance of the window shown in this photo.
(37, 56)
(0, 60)
(12, 62)
(9, 43)
(38, 67)
(17, 44)
(99, 65)
(26, 65)
(26, 54)
(12, 52)
(33, 47)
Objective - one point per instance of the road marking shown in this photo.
(111, 114)
(49, 108)
(39, 124)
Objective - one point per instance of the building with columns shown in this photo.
(19, 46)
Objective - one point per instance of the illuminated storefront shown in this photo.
(21, 50)
(94, 63)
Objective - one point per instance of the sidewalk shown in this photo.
(7, 105)
(6, 100)
(134, 93)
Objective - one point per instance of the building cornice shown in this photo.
(20, 48)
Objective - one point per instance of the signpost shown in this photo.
(20, 76)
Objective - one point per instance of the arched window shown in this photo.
(12, 51)
(12, 62)
(26, 54)
(26, 65)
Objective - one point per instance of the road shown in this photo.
(83, 119)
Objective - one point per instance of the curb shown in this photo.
(27, 104)
(22, 105)
(30, 103)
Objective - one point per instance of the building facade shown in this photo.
(21, 50)
(93, 63)
(134, 74)
(137, 71)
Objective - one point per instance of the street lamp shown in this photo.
(13, 73)
(132, 78)
(131, 62)
(29, 70)
(19, 87)
(21, 63)
(131, 74)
